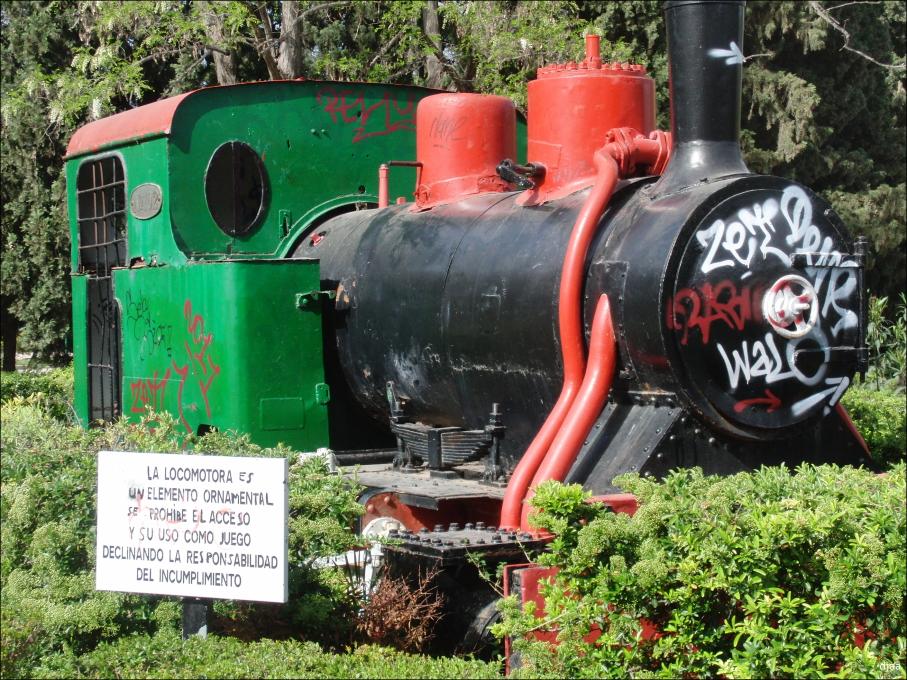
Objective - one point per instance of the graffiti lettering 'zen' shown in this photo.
(203, 368)
(723, 303)
(753, 236)
(383, 117)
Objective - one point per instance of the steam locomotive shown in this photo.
(613, 298)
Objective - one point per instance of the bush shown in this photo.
(765, 574)
(165, 655)
(887, 340)
(880, 417)
(52, 389)
(47, 519)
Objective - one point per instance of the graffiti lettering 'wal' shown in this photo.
(703, 305)
(761, 359)
(383, 117)
(200, 364)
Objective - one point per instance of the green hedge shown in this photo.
(53, 389)
(767, 574)
(165, 655)
(47, 518)
(880, 417)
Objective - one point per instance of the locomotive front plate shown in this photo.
(766, 307)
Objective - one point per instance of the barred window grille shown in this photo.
(101, 190)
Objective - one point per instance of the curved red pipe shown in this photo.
(625, 148)
(589, 402)
(571, 334)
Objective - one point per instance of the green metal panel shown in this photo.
(79, 347)
(223, 344)
(321, 144)
(71, 169)
(151, 239)
(148, 240)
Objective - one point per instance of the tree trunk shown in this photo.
(432, 29)
(290, 60)
(10, 331)
(224, 63)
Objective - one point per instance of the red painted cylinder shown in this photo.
(571, 107)
(460, 140)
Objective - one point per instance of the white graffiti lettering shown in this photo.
(781, 230)
(763, 360)
(731, 56)
(801, 235)
(753, 231)
(838, 385)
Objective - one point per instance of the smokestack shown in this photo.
(705, 61)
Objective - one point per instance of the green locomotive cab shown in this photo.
(183, 214)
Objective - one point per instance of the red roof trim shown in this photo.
(138, 122)
(156, 118)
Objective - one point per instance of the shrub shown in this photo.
(47, 515)
(51, 389)
(765, 574)
(887, 340)
(165, 655)
(402, 612)
(880, 417)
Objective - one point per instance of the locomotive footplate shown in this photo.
(425, 488)
(449, 545)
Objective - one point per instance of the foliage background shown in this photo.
(824, 96)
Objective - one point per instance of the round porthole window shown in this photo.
(236, 188)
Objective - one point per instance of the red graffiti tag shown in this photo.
(352, 108)
(148, 393)
(203, 368)
(701, 307)
(771, 401)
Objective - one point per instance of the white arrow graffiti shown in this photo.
(838, 385)
(733, 54)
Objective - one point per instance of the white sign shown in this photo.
(192, 525)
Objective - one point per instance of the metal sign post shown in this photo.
(195, 617)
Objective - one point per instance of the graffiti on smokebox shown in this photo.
(754, 316)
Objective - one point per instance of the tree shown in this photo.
(34, 239)
(833, 118)
(824, 96)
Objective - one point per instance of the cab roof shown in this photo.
(143, 121)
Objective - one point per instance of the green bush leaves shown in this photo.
(49, 475)
(767, 574)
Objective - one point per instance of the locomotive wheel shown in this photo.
(479, 640)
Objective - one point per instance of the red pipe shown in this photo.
(593, 51)
(848, 423)
(571, 333)
(618, 157)
(383, 172)
(586, 407)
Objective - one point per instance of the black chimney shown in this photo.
(705, 61)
